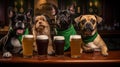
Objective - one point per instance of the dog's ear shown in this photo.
(47, 18)
(29, 13)
(99, 19)
(77, 19)
(54, 10)
(71, 9)
(11, 12)
(44, 17)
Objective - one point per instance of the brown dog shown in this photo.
(88, 28)
(40, 27)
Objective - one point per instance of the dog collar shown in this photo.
(88, 39)
(66, 34)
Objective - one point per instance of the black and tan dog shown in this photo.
(19, 25)
(88, 28)
(42, 27)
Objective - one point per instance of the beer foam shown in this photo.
(42, 37)
(28, 36)
(75, 37)
(59, 38)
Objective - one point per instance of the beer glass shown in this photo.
(27, 44)
(59, 42)
(75, 45)
(42, 45)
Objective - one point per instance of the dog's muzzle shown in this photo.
(88, 29)
(63, 23)
(41, 27)
(20, 27)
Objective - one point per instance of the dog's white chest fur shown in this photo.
(93, 46)
(16, 44)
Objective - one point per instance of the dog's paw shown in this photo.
(104, 53)
(51, 50)
(89, 51)
(35, 49)
(7, 54)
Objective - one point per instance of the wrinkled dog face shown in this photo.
(88, 23)
(63, 20)
(41, 23)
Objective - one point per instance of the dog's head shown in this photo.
(20, 21)
(41, 23)
(88, 24)
(63, 19)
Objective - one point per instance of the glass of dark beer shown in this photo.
(42, 45)
(59, 42)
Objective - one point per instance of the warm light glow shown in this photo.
(96, 3)
(78, 9)
(90, 4)
(42, 1)
(21, 3)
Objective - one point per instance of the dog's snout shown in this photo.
(40, 22)
(88, 25)
(20, 25)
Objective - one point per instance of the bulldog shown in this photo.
(19, 25)
(88, 29)
(42, 27)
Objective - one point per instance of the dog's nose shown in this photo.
(40, 22)
(88, 25)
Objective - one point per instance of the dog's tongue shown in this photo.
(20, 31)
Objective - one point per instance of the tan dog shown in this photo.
(40, 27)
(88, 28)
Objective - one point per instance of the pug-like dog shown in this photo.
(19, 25)
(91, 38)
(64, 26)
(42, 27)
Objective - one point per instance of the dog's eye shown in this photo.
(92, 21)
(43, 19)
(83, 21)
(36, 20)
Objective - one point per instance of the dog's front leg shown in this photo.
(104, 50)
(6, 53)
(6, 48)
(50, 47)
(34, 36)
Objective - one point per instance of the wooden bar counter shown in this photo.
(86, 59)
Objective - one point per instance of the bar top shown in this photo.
(96, 57)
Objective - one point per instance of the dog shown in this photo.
(88, 29)
(42, 27)
(64, 26)
(19, 25)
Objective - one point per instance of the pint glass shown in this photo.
(42, 45)
(27, 44)
(75, 45)
(59, 42)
